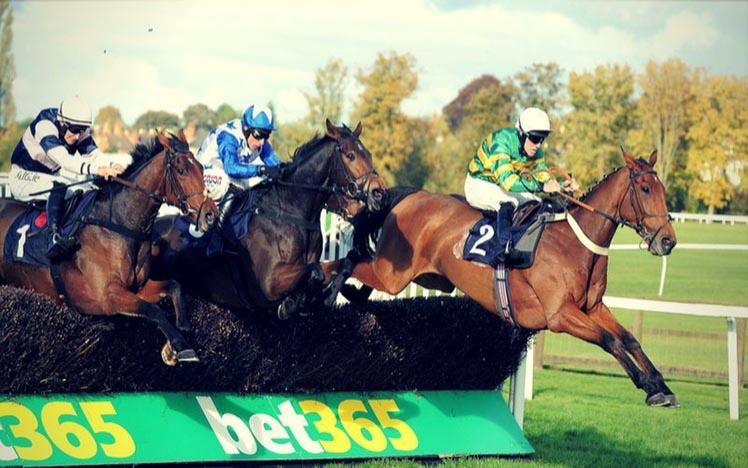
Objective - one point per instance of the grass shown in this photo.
(580, 419)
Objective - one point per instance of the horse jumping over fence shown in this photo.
(422, 236)
(109, 274)
(279, 254)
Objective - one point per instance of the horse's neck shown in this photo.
(308, 203)
(606, 198)
(133, 208)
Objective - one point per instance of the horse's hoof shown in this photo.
(168, 355)
(660, 399)
(187, 355)
(283, 312)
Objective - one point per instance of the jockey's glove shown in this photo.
(271, 172)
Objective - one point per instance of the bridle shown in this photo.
(646, 235)
(354, 188)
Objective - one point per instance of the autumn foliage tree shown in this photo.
(391, 79)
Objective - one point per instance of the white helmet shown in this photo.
(75, 111)
(535, 121)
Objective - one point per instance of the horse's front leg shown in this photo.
(571, 320)
(661, 394)
(153, 291)
(305, 294)
(120, 300)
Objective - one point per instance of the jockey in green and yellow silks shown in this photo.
(508, 168)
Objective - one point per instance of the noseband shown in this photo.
(646, 235)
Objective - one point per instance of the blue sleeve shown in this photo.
(268, 155)
(228, 152)
(49, 142)
(87, 145)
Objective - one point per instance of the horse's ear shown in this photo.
(163, 139)
(653, 158)
(630, 160)
(332, 131)
(357, 130)
(181, 136)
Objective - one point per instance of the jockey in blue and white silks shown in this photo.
(240, 150)
(58, 148)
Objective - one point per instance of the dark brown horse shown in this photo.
(109, 274)
(280, 254)
(422, 239)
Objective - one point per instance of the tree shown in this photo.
(201, 116)
(455, 110)
(290, 136)
(157, 119)
(225, 112)
(329, 92)
(386, 129)
(718, 140)
(443, 157)
(7, 68)
(539, 85)
(601, 117)
(662, 120)
(488, 109)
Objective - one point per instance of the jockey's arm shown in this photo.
(268, 155)
(48, 138)
(228, 152)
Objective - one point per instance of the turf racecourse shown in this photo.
(581, 419)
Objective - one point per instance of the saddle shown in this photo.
(528, 224)
(27, 239)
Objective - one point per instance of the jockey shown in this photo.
(508, 168)
(239, 151)
(56, 149)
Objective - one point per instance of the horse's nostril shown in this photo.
(378, 194)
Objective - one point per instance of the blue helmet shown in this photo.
(260, 117)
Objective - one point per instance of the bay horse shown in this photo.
(280, 254)
(109, 274)
(422, 237)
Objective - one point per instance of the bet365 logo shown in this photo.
(273, 434)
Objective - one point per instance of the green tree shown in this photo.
(443, 157)
(662, 119)
(718, 140)
(201, 116)
(108, 115)
(488, 109)
(386, 130)
(454, 111)
(539, 85)
(157, 120)
(225, 112)
(327, 100)
(7, 68)
(602, 114)
(289, 136)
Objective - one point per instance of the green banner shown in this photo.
(186, 427)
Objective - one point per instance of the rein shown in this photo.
(646, 235)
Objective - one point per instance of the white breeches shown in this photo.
(23, 183)
(487, 196)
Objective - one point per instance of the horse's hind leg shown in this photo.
(662, 395)
(570, 319)
(381, 275)
(153, 291)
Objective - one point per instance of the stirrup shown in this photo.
(61, 249)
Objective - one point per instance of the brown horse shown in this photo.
(423, 235)
(280, 254)
(109, 274)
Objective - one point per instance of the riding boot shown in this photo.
(503, 231)
(215, 243)
(60, 248)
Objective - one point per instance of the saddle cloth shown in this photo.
(528, 224)
(28, 237)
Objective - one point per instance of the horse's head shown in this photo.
(183, 184)
(354, 172)
(644, 206)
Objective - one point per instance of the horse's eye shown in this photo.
(351, 156)
(645, 188)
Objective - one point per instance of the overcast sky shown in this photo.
(139, 55)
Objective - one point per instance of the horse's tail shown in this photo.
(367, 224)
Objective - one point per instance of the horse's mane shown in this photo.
(146, 150)
(592, 188)
(303, 152)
